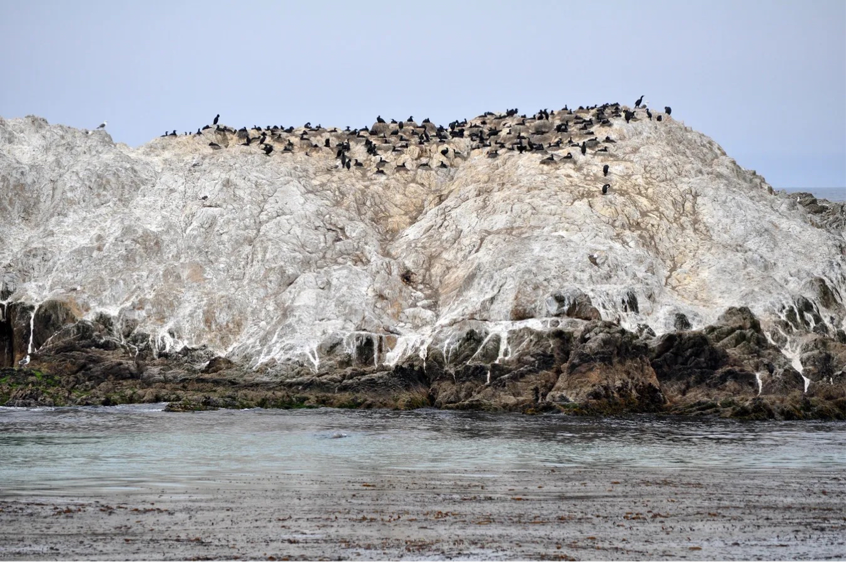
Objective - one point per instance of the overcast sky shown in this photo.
(765, 79)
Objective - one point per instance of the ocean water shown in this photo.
(836, 194)
(142, 447)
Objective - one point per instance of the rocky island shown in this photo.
(590, 261)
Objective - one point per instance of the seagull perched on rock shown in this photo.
(24, 362)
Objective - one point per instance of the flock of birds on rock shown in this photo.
(388, 146)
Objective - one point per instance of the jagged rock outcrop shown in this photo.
(476, 266)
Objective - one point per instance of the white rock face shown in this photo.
(272, 260)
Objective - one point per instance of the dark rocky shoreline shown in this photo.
(585, 366)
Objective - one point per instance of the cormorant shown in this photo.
(216, 119)
(268, 148)
(605, 170)
(605, 188)
(584, 148)
(637, 103)
(215, 146)
(668, 110)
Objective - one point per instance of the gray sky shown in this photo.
(765, 79)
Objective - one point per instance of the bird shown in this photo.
(605, 170)
(104, 123)
(584, 148)
(637, 103)
(268, 148)
(668, 110)
(215, 146)
(649, 114)
(605, 188)
(25, 361)
(216, 119)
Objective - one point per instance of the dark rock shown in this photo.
(572, 303)
(681, 323)
(608, 371)
(217, 364)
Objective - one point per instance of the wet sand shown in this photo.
(541, 514)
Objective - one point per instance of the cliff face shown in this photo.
(292, 265)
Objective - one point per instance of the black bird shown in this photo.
(445, 151)
(605, 188)
(268, 148)
(659, 118)
(637, 103)
(605, 170)
(584, 148)
(326, 143)
(649, 114)
(216, 119)
(379, 119)
(263, 138)
(173, 134)
(668, 110)
(215, 146)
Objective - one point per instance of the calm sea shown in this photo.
(141, 447)
(831, 193)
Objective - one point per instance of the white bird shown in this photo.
(102, 125)
(24, 362)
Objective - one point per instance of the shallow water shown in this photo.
(74, 450)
